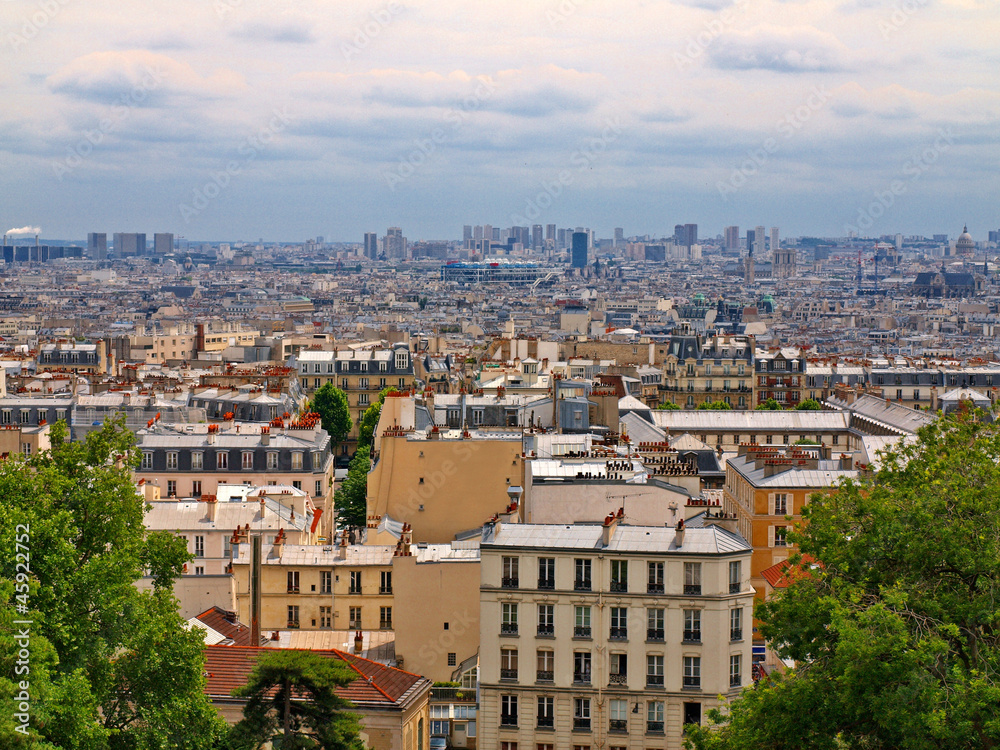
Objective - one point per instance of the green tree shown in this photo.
(369, 420)
(351, 497)
(111, 667)
(714, 406)
(292, 702)
(810, 404)
(896, 631)
(667, 406)
(770, 405)
(331, 404)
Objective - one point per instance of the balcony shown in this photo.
(734, 588)
(383, 590)
(735, 680)
(581, 678)
(654, 634)
(508, 674)
(692, 636)
(546, 630)
(546, 722)
(508, 628)
(619, 634)
(617, 679)
(619, 586)
(543, 675)
(508, 582)
(692, 589)
(581, 584)
(547, 583)
(293, 589)
(654, 727)
(654, 588)
(508, 721)
(692, 683)
(619, 726)
(654, 680)
(452, 694)
(292, 625)
(581, 631)
(581, 725)
(736, 634)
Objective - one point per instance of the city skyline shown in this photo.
(640, 115)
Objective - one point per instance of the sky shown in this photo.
(288, 119)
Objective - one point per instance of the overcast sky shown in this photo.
(287, 119)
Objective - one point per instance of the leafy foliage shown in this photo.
(896, 635)
(351, 498)
(111, 667)
(714, 406)
(292, 703)
(668, 406)
(369, 420)
(770, 405)
(809, 404)
(331, 404)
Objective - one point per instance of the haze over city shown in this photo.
(281, 120)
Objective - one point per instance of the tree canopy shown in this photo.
(369, 420)
(809, 404)
(351, 497)
(331, 404)
(292, 703)
(110, 667)
(714, 406)
(667, 406)
(770, 405)
(894, 627)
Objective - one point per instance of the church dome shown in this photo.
(965, 242)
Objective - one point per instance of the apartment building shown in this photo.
(729, 429)
(73, 357)
(699, 369)
(766, 489)
(609, 635)
(780, 374)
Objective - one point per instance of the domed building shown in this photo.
(965, 245)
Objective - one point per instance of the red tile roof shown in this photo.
(781, 574)
(228, 667)
(225, 622)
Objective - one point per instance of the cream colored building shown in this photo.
(609, 636)
(24, 439)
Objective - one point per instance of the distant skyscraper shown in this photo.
(749, 272)
(678, 234)
(395, 243)
(466, 233)
(619, 236)
(732, 238)
(97, 245)
(163, 243)
(580, 249)
(760, 238)
(562, 238)
(550, 232)
(775, 242)
(488, 233)
(536, 236)
(477, 232)
(690, 234)
(129, 244)
(371, 245)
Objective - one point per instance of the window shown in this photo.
(545, 661)
(297, 484)
(509, 578)
(654, 582)
(318, 489)
(654, 670)
(781, 504)
(364, 399)
(293, 615)
(247, 457)
(508, 618)
(172, 460)
(618, 715)
(293, 581)
(581, 713)
(5, 416)
(546, 572)
(619, 575)
(546, 619)
(355, 587)
(25, 416)
(452, 659)
(354, 617)
(582, 575)
(581, 629)
(654, 624)
(385, 618)
(692, 625)
(171, 483)
(692, 578)
(546, 712)
(735, 576)
(735, 670)
(326, 617)
(508, 664)
(147, 460)
(581, 666)
(618, 671)
(326, 582)
(221, 460)
(619, 623)
(296, 460)
(272, 460)
(736, 624)
(780, 536)
(508, 711)
(199, 570)
(385, 582)
(654, 717)
(196, 488)
(197, 460)
(692, 671)
(692, 713)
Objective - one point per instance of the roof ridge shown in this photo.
(343, 655)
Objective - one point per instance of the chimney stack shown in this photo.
(679, 534)
(359, 642)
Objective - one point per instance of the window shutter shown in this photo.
(770, 505)
(770, 536)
